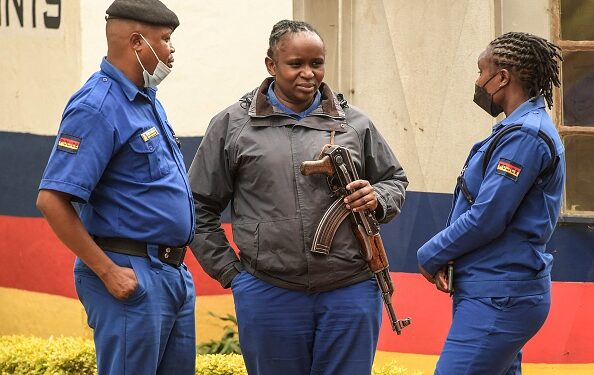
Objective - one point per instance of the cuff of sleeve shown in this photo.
(79, 192)
(425, 260)
(229, 274)
(380, 210)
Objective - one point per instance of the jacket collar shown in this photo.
(260, 107)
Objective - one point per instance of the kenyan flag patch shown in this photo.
(68, 143)
(508, 169)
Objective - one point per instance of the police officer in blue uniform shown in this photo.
(115, 192)
(505, 208)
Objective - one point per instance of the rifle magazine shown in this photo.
(327, 227)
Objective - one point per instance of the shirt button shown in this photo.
(104, 79)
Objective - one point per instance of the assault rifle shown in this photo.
(336, 163)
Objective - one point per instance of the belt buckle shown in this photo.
(165, 254)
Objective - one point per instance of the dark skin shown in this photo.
(123, 38)
(297, 66)
(509, 93)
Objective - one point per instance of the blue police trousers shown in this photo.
(151, 332)
(487, 334)
(287, 332)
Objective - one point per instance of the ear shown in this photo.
(270, 66)
(505, 77)
(135, 42)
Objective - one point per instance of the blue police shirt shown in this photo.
(498, 243)
(116, 153)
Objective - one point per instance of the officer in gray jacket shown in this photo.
(298, 312)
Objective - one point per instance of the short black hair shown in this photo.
(534, 59)
(281, 28)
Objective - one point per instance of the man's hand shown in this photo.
(120, 282)
(61, 216)
(363, 197)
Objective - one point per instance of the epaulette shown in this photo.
(532, 126)
(96, 97)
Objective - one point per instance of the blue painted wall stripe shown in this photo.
(24, 157)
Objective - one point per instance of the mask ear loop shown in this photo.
(151, 47)
(489, 80)
(138, 58)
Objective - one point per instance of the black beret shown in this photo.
(147, 11)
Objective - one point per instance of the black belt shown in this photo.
(171, 255)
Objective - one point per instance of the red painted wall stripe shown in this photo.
(34, 259)
(566, 337)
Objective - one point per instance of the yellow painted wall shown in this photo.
(45, 315)
(60, 316)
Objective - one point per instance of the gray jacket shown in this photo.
(250, 156)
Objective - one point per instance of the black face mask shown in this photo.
(485, 100)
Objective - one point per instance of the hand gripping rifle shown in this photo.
(336, 163)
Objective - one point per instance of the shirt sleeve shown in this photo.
(211, 196)
(84, 145)
(512, 170)
(385, 173)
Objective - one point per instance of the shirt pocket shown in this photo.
(150, 158)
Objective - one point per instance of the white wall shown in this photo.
(220, 49)
(39, 66)
(531, 16)
(411, 65)
(414, 68)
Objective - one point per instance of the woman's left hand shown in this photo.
(441, 280)
(363, 197)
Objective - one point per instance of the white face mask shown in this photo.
(161, 70)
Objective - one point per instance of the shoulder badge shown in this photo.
(69, 143)
(508, 169)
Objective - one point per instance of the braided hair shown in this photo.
(532, 58)
(281, 28)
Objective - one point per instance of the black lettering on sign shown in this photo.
(18, 7)
(53, 22)
(52, 17)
